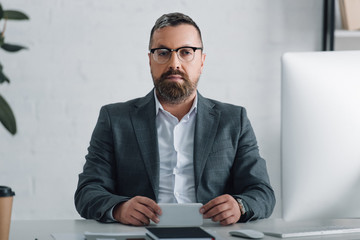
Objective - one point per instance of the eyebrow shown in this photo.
(164, 46)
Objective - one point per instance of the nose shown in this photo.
(174, 61)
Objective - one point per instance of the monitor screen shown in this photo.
(321, 135)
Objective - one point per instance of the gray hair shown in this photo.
(173, 19)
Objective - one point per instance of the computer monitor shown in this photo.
(321, 135)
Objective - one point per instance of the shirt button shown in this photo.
(177, 194)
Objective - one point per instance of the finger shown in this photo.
(215, 211)
(150, 204)
(222, 207)
(147, 212)
(139, 218)
(212, 203)
(207, 207)
(131, 212)
(228, 221)
(134, 221)
(222, 216)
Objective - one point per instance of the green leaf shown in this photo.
(3, 77)
(7, 117)
(11, 47)
(1, 12)
(14, 15)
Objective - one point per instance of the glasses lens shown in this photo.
(161, 55)
(186, 54)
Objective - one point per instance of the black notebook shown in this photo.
(178, 233)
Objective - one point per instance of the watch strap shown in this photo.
(241, 205)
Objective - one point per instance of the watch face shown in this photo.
(241, 205)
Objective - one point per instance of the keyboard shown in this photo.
(313, 231)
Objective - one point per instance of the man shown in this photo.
(174, 145)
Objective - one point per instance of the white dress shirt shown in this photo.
(176, 151)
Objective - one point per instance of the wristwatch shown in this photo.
(241, 205)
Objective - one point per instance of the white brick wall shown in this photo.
(87, 53)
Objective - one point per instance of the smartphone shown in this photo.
(180, 214)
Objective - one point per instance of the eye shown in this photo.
(162, 52)
(186, 51)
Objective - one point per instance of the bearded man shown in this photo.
(174, 145)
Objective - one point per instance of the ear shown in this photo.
(203, 56)
(149, 54)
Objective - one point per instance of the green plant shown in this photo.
(7, 117)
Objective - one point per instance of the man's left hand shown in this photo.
(224, 209)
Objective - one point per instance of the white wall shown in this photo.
(87, 53)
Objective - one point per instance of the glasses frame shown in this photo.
(175, 50)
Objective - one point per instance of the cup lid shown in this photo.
(6, 191)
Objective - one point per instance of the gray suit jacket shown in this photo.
(123, 158)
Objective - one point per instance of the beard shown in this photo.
(174, 92)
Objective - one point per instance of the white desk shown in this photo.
(42, 229)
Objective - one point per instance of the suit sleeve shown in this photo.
(250, 178)
(95, 196)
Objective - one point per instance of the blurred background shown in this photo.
(83, 54)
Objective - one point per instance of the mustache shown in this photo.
(173, 72)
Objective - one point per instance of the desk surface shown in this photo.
(42, 229)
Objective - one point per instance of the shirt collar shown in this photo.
(158, 105)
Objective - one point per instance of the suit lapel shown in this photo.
(207, 121)
(143, 120)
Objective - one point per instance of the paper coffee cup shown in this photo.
(6, 200)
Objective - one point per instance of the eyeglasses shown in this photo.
(163, 55)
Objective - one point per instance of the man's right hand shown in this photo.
(137, 211)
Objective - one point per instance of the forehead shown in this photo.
(178, 36)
